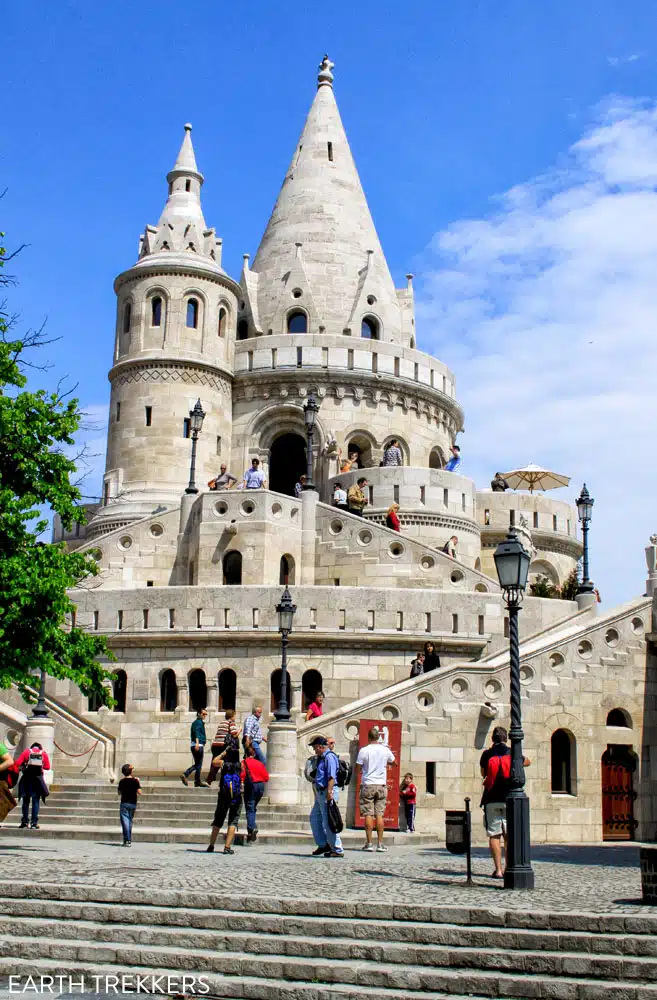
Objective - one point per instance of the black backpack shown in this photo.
(345, 771)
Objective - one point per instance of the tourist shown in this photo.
(32, 786)
(224, 480)
(351, 463)
(455, 460)
(392, 520)
(417, 665)
(392, 454)
(431, 658)
(373, 760)
(328, 843)
(228, 727)
(254, 478)
(8, 779)
(298, 487)
(198, 741)
(495, 764)
(356, 499)
(339, 497)
(229, 797)
(498, 483)
(254, 778)
(316, 707)
(449, 548)
(128, 788)
(408, 792)
(252, 733)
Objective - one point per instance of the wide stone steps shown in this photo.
(320, 950)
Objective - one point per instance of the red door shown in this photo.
(391, 736)
(618, 795)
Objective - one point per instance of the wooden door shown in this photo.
(618, 795)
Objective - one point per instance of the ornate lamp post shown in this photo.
(40, 711)
(512, 565)
(196, 418)
(310, 410)
(584, 512)
(286, 611)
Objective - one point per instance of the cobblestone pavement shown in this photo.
(573, 879)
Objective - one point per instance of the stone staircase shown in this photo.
(295, 949)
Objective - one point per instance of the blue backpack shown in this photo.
(231, 785)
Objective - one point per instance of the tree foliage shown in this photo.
(543, 587)
(35, 473)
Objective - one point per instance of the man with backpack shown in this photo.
(229, 799)
(495, 766)
(329, 844)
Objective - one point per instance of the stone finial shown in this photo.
(651, 562)
(325, 76)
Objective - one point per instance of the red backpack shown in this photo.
(498, 770)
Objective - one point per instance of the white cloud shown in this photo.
(547, 310)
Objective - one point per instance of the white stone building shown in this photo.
(189, 582)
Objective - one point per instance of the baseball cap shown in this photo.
(319, 741)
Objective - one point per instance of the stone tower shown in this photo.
(175, 332)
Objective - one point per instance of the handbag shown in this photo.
(334, 817)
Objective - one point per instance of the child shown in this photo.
(408, 792)
(129, 788)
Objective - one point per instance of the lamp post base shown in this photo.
(519, 873)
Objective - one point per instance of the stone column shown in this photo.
(585, 601)
(309, 500)
(283, 786)
(41, 729)
(651, 562)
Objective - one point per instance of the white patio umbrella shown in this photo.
(533, 477)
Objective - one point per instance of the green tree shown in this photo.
(35, 474)
(569, 586)
(542, 587)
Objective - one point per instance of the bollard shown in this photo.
(458, 835)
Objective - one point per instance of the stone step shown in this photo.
(197, 834)
(445, 970)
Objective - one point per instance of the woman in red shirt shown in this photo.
(408, 792)
(392, 521)
(316, 707)
(254, 778)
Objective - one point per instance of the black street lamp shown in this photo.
(512, 565)
(585, 512)
(196, 418)
(310, 410)
(40, 711)
(286, 611)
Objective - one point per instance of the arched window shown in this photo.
(436, 459)
(619, 717)
(369, 328)
(156, 311)
(287, 570)
(94, 702)
(192, 314)
(119, 689)
(275, 685)
(198, 691)
(311, 685)
(221, 325)
(168, 692)
(563, 762)
(127, 317)
(227, 689)
(232, 568)
(243, 329)
(297, 322)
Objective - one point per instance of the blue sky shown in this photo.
(475, 126)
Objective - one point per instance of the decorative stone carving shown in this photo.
(172, 372)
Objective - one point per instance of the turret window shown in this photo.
(221, 326)
(156, 311)
(297, 322)
(369, 328)
(127, 317)
(330, 151)
(188, 185)
(192, 313)
(242, 329)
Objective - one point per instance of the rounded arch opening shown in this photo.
(286, 575)
(403, 447)
(227, 687)
(540, 567)
(232, 567)
(361, 444)
(156, 310)
(370, 328)
(198, 690)
(120, 689)
(287, 461)
(191, 316)
(563, 762)
(168, 691)
(436, 458)
(311, 685)
(127, 317)
(297, 321)
(222, 321)
(619, 717)
(275, 688)
(243, 329)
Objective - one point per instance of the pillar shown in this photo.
(283, 786)
(41, 729)
(309, 500)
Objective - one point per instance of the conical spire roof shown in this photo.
(184, 201)
(322, 208)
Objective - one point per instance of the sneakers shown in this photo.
(184, 780)
(201, 784)
(320, 851)
(23, 825)
(334, 854)
(368, 847)
(127, 843)
(251, 836)
(381, 849)
(228, 850)
(35, 826)
(210, 849)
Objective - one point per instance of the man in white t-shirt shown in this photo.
(373, 761)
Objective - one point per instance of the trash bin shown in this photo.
(457, 830)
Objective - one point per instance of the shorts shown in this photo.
(495, 818)
(227, 807)
(373, 800)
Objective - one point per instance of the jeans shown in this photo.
(259, 755)
(35, 799)
(319, 824)
(127, 814)
(409, 809)
(253, 792)
(197, 754)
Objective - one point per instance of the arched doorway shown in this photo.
(198, 691)
(227, 689)
(232, 565)
(276, 689)
(168, 692)
(311, 685)
(287, 461)
(286, 575)
(618, 795)
(119, 690)
(563, 762)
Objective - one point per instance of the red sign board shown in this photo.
(390, 735)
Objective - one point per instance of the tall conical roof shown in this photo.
(322, 212)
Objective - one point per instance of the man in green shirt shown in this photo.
(198, 740)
